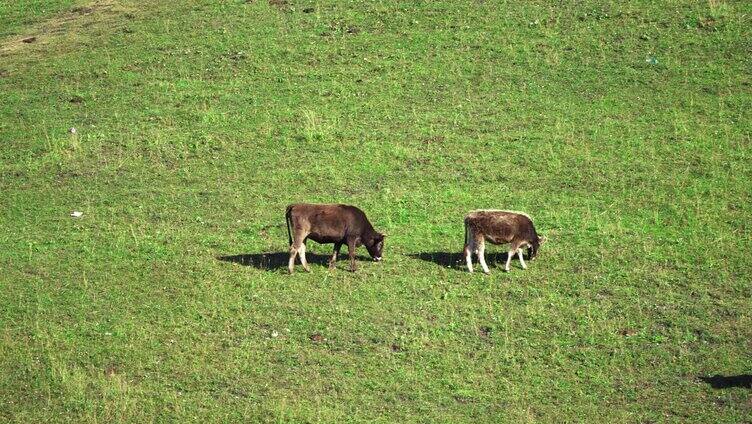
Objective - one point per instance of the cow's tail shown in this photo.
(288, 219)
(467, 234)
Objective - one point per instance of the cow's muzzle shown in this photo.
(377, 258)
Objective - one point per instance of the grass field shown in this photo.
(623, 128)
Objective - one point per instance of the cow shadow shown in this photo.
(275, 260)
(724, 382)
(456, 260)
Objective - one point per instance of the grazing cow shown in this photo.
(499, 227)
(338, 224)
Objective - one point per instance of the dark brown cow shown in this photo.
(338, 224)
(499, 227)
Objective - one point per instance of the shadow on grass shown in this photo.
(721, 382)
(457, 260)
(277, 260)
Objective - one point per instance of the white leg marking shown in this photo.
(291, 262)
(482, 257)
(509, 260)
(519, 255)
(301, 252)
(469, 258)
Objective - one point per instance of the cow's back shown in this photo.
(330, 219)
(325, 222)
(499, 226)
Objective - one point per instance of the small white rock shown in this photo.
(275, 334)
(76, 214)
(72, 130)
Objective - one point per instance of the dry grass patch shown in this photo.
(66, 28)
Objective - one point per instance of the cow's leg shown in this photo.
(351, 254)
(297, 241)
(510, 254)
(337, 246)
(291, 262)
(301, 252)
(522, 261)
(481, 243)
(512, 251)
(468, 251)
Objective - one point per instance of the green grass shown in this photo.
(623, 128)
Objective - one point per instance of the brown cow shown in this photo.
(338, 224)
(499, 227)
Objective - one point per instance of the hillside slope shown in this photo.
(622, 128)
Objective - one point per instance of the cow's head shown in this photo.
(375, 246)
(532, 251)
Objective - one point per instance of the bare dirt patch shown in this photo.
(281, 4)
(627, 332)
(484, 332)
(435, 139)
(110, 371)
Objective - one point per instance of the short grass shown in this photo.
(623, 128)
